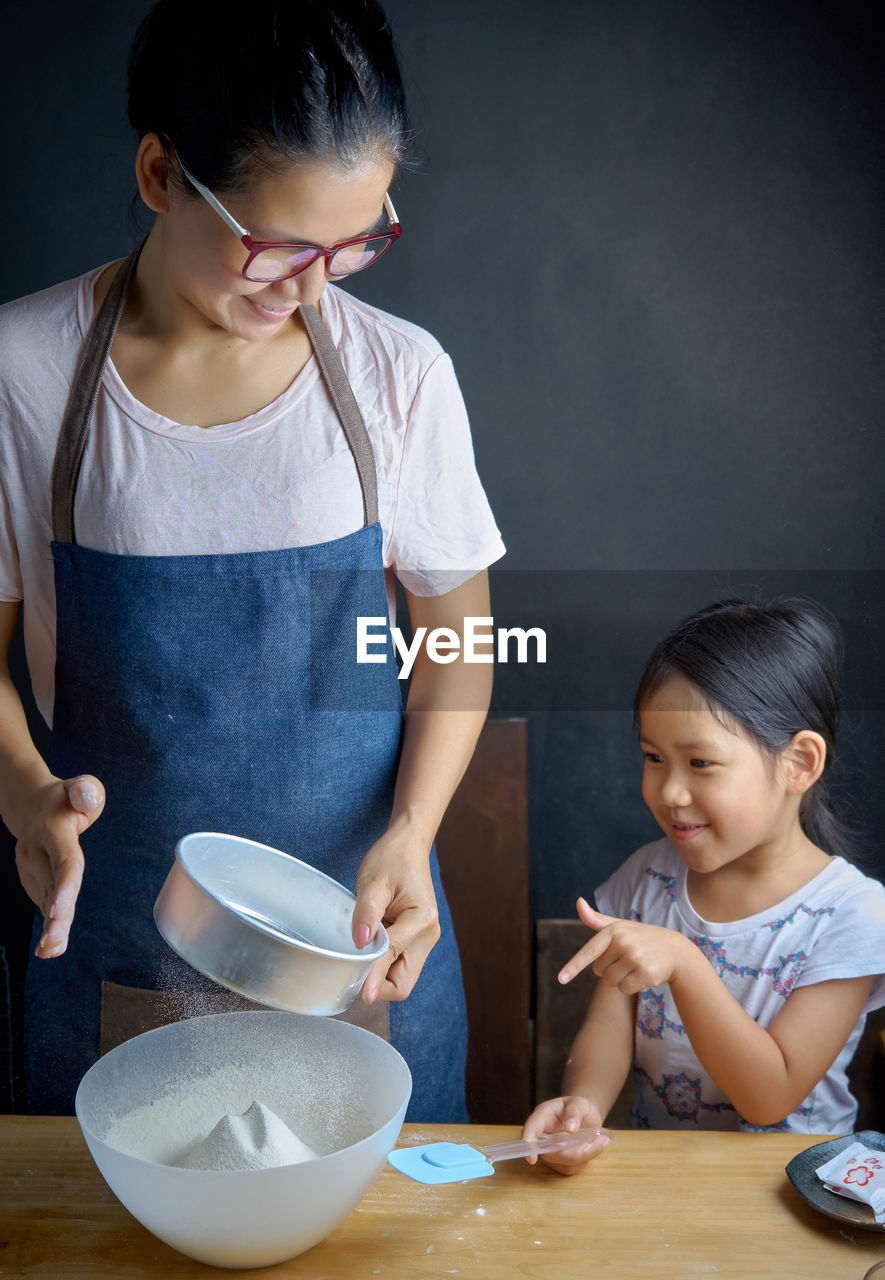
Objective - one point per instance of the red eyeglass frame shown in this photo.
(255, 247)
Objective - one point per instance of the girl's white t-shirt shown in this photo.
(282, 477)
(833, 927)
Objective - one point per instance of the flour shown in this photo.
(258, 1139)
(288, 1123)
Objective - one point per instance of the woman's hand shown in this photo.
(394, 888)
(569, 1114)
(626, 954)
(46, 815)
(48, 854)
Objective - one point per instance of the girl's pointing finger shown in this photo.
(582, 959)
(591, 950)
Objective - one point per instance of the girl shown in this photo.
(191, 447)
(738, 956)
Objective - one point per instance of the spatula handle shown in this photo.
(549, 1142)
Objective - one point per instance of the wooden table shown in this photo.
(653, 1205)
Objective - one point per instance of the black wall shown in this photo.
(650, 235)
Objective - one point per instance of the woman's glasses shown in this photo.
(271, 260)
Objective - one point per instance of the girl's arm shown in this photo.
(445, 712)
(44, 813)
(598, 1064)
(602, 1053)
(765, 1072)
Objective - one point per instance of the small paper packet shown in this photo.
(858, 1172)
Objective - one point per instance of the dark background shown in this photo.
(649, 234)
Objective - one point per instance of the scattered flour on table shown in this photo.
(214, 1122)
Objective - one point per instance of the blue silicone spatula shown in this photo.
(438, 1162)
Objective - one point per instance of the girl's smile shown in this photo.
(688, 830)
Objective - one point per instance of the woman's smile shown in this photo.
(274, 314)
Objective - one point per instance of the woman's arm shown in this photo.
(765, 1072)
(44, 813)
(446, 709)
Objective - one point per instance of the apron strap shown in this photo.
(84, 393)
(81, 403)
(348, 410)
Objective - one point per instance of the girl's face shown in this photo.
(715, 794)
(318, 203)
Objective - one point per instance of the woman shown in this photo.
(219, 518)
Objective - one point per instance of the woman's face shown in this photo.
(319, 203)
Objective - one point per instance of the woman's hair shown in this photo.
(774, 669)
(234, 87)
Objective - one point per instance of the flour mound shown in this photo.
(257, 1139)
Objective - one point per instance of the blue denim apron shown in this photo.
(219, 692)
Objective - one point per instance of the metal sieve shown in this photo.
(264, 924)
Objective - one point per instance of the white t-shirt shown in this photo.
(282, 477)
(833, 927)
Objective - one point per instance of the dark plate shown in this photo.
(801, 1172)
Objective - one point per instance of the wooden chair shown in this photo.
(484, 860)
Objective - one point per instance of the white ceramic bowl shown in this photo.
(336, 1085)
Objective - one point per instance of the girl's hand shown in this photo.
(626, 954)
(48, 854)
(567, 1113)
(394, 888)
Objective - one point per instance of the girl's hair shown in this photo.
(774, 669)
(233, 87)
